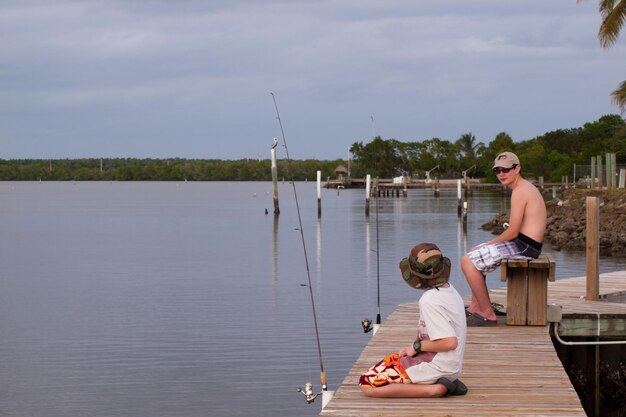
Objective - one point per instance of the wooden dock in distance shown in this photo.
(509, 370)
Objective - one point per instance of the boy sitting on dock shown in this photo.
(431, 365)
(522, 239)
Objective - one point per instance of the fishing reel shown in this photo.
(367, 325)
(307, 391)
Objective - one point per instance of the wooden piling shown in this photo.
(319, 194)
(593, 248)
(614, 165)
(459, 207)
(464, 217)
(611, 170)
(275, 180)
(607, 177)
(599, 168)
(368, 180)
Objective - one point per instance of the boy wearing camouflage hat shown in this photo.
(431, 365)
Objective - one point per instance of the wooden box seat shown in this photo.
(527, 289)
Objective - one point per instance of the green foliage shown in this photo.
(162, 170)
(551, 155)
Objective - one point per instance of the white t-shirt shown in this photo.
(442, 314)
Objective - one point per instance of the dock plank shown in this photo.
(509, 370)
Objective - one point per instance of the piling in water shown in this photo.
(275, 180)
(459, 207)
(368, 179)
(319, 194)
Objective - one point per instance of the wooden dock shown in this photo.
(509, 370)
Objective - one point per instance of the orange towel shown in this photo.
(387, 371)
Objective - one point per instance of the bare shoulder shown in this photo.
(527, 190)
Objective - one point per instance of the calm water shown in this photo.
(185, 299)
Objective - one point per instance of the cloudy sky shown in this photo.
(192, 78)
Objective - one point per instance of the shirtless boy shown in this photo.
(523, 238)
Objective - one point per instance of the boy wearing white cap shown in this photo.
(522, 239)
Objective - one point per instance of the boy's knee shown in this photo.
(466, 263)
(366, 390)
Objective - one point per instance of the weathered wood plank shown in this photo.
(509, 370)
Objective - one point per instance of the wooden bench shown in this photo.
(527, 289)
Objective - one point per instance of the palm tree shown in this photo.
(467, 144)
(613, 13)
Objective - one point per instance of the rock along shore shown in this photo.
(566, 227)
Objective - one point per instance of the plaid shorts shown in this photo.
(488, 257)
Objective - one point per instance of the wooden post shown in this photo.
(405, 192)
(593, 173)
(368, 179)
(464, 216)
(613, 170)
(459, 207)
(607, 159)
(599, 167)
(541, 183)
(436, 186)
(275, 181)
(319, 194)
(593, 248)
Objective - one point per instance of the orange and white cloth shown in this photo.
(385, 372)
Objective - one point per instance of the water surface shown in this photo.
(186, 299)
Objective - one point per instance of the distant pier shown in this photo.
(414, 183)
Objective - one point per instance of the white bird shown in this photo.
(275, 143)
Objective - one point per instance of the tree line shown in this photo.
(172, 169)
(551, 155)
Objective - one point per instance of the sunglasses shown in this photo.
(499, 170)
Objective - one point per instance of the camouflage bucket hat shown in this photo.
(425, 267)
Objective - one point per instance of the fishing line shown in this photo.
(377, 261)
(367, 323)
(306, 330)
(310, 396)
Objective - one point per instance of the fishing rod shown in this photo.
(307, 389)
(367, 323)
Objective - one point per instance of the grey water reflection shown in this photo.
(161, 299)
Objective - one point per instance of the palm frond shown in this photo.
(613, 17)
(619, 97)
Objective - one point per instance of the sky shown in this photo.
(193, 78)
